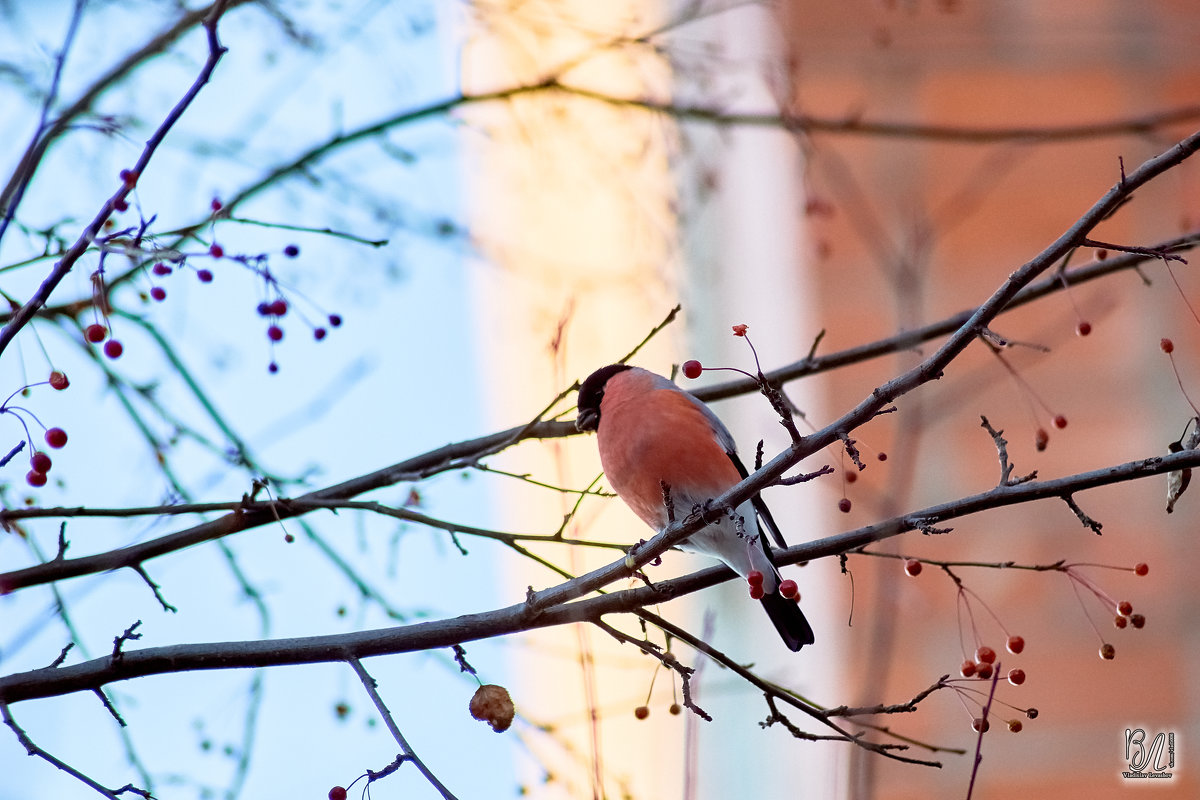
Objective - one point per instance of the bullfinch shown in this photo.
(650, 433)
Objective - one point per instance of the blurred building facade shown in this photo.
(603, 216)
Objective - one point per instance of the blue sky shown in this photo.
(393, 381)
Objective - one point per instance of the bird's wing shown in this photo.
(760, 507)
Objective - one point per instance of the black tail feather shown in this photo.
(789, 620)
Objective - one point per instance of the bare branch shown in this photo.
(64, 265)
(547, 608)
(33, 750)
(1006, 467)
(1087, 521)
(406, 752)
(856, 125)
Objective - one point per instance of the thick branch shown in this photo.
(466, 452)
(909, 340)
(452, 456)
(543, 609)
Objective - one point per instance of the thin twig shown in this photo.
(982, 730)
(1084, 519)
(369, 684)
(33, 750)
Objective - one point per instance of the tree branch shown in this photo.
(548, 608)
(25, 313)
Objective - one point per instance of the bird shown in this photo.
(651, 434)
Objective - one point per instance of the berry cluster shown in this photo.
(164, 264)
(755, 579)
(985, 667)
(787, 588)
(56, 438)
(642, 712)
(983, 663)
(982, 666)
(96, 333)
(1124, 617)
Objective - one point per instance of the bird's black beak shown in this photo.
(588, 420)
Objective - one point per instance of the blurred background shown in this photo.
(498, 198)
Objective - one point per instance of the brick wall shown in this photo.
(922, 229)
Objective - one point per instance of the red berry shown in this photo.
(983, 671)
(337, 792)
(1015, 644)
(279, 307)
(1041, 439)
(692, 369)
(641, 712)
(881, 456)
(95, 332)
(756, 592)
(1016, 676)
(215, 205)
(204, 275)
(850, 476)
(216, 251)
(113, 348)
(40, 462)
(1101, 254)
(274, 333)
(56, 438)
(1108, 652)
(788, 588)
(291, 251)
(161, 269)
(675, 709)
(1060, 421)
(1083, 328)
(1141, 569)
(967, 669)
(335, 320)
(1014, 725)
(844, 505)
(1120, 621)
(129, 177)
(755, 578)
(985, 654)
(1138, 621)
(1031, 713)
(35, 478)
(1166, 345)
(58, 380)
(1124, 608)
(980, 725)
(740, 330)
(272, 368)
(319, 333)
(120, 204)
(158, 293)
(912, 567)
